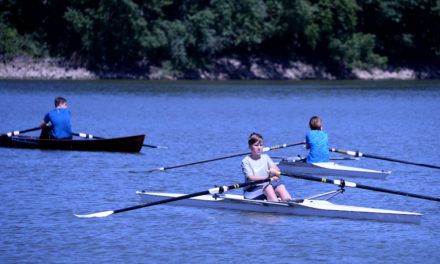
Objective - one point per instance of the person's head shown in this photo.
(255, 142)
(315, 123)
(255, 138)
(60, 102)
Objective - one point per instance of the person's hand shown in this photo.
(273, 171)
(276, 178)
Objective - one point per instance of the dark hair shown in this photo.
(315, 123)
(254, 137)
(59, 100)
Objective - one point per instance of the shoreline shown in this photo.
(254, 68)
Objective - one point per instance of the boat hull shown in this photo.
(120, 144)
(328, 169)
(308, 207)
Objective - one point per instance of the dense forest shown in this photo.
(189, 34)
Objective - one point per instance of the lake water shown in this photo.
(41, 190)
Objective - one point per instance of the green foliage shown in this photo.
(114, 30)
(186, 35)
(331, 21)
(406, 30)
(289, 29)
(10, 43)
(177, 42)
(356, 52)
(13, 44)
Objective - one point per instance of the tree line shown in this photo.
(188, 34)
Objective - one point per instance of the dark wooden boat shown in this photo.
(120, 144)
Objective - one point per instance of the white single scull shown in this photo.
(296, 166)
(308, 207)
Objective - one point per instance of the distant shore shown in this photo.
(261, 68)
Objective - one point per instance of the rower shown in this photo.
(259, 166)
(60, 120)
(317, 142)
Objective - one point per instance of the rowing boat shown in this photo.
(215, 198)
(120, 144)
(297, 166)
(308, 207)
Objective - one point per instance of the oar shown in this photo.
(15, 133)
(359, 154)
(215, 190)
(342, 183)
(92, 136)
(332, 158)
(219, 158)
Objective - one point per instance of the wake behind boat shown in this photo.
(297, 166)
(119, 144)
(308, 207)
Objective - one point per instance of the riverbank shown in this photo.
(258, 68)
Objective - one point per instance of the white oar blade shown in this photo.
(100, 214)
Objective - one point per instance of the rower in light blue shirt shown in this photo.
(317, 142)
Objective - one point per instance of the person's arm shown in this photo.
(45, 121)
(307, 145)
(256, 178)
(43, 124)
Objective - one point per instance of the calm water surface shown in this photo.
(42, 189)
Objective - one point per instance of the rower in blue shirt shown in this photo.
(60, 120)
(317, 142)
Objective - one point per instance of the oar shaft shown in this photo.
(15, 133)
(343, 183)
(220, 158)
(202, 161)
(215, 190)
(161, 202)
(401, 161)
(360, 154)
(231, 156)
(284, 146)
(397, 192)
(84, 135)
(152, 146)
